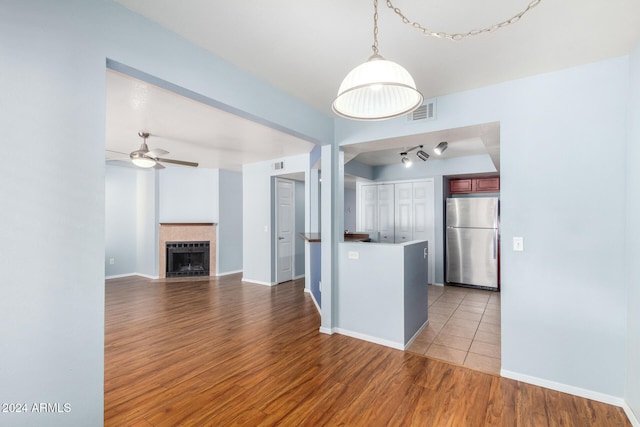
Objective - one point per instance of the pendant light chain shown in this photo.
(460, 36)
(375, 27)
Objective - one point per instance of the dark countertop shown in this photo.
(348, 237)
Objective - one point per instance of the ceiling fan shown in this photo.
(145, 158)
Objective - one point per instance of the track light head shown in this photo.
(440, 148)
(406, 161)
(422, 155)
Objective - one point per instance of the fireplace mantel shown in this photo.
(185, 232)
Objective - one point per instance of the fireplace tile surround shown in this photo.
(186, 232)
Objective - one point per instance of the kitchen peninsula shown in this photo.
(382, 288)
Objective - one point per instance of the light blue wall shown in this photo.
(52, 187)
(147, 202)
(298, 257)
(258, 251)
(53, 58)
(120, 220)
(189, 195)
(632, 392)
(564, 297)
(230, 224)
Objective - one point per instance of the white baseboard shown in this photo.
(314, 300)
(257, 282)
(301, 276)
(635, 422)
(226, 273)
(576, 391)
(375, 340)
(327, 331)
(416, 335)
(118, 276)
(438, 284)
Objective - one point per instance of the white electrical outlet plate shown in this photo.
(353, 255)
(112, 261)
(518, 244)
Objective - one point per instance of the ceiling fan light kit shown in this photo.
(380, 89)
(145, 158)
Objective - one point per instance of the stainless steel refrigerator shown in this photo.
(472, 241)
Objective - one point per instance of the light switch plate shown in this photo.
(518, 244)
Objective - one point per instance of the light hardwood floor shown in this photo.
(219, 352)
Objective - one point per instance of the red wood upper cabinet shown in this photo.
(487, 184)
(461, 186)
(474, 185)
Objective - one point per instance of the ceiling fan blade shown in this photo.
(178, 162)
(158, 166)
(157, 152)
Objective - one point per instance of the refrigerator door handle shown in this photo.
(495, 244)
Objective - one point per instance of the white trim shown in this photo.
(327, 331)
(301, 276)
(314, 300)
(118, 276)
(632, 417)
(375, 340)
(424, 325)
(226, 273)
(437, 284)
(257, 282)
(576, 391)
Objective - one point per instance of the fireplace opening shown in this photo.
(187, 259)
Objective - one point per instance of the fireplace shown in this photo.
(186, 259)
(181, 232)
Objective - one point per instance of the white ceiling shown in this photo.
(306, 49)
(188, 129)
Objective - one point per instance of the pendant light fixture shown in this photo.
(378, 89)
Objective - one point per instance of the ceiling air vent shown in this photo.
(426, 111)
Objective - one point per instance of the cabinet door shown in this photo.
(369, 209)
(487, 184)
(404, 212)
(386, 208)
(460, 185)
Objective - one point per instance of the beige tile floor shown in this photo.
(464, 328)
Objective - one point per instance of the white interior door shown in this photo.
(285, 227)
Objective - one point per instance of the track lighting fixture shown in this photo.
(406, 161)
(441, 147)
